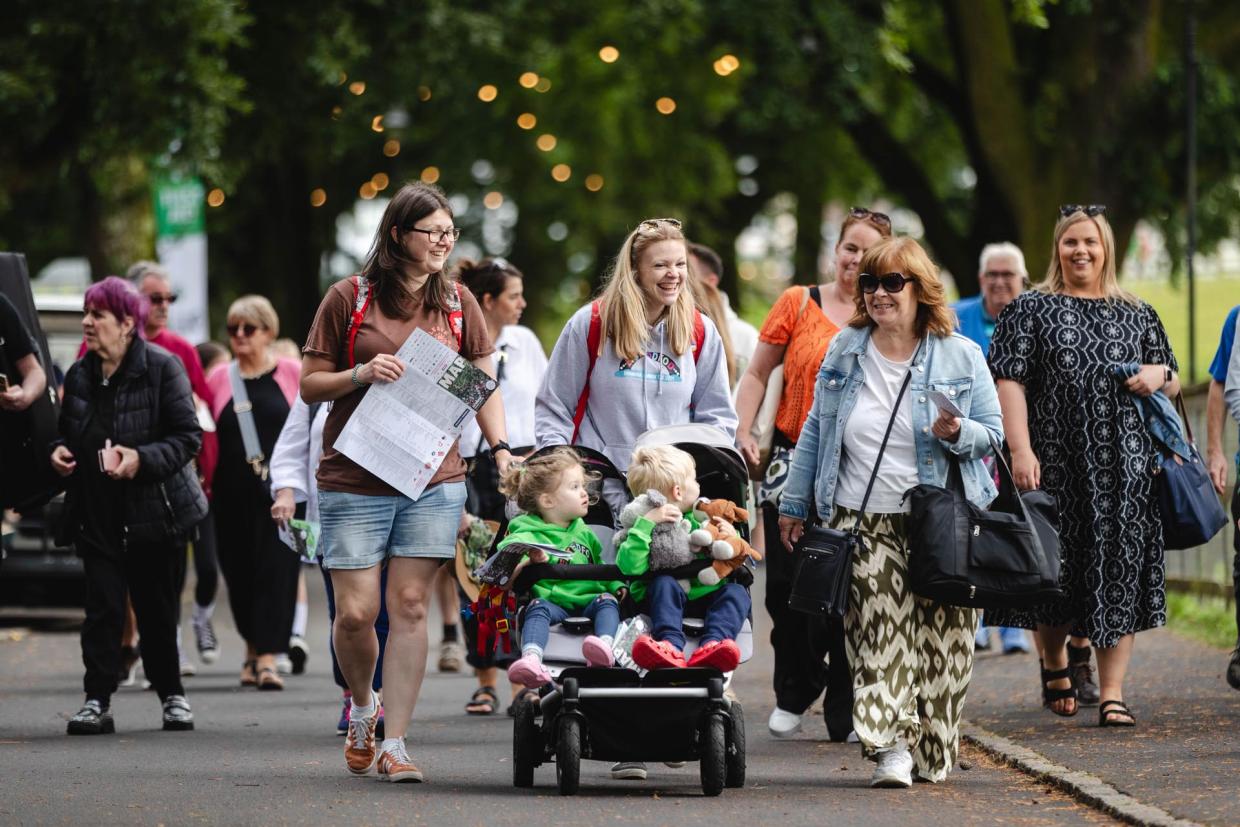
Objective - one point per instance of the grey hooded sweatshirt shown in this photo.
(628, 399)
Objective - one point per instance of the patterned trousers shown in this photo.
(911, 658)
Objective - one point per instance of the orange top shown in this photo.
(805, 334)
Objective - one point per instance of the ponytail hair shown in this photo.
(526, 481)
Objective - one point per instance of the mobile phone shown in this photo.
(943, 403)
(109, 458)
(4, 383)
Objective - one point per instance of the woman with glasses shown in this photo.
(367, 524)
(1073, 429)
(911, 658)
(795, 336)
(250, 398)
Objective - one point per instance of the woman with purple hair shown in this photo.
(128, 432)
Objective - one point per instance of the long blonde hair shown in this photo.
(624, 306)
(1054, 282)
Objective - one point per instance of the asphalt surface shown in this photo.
(273, 758)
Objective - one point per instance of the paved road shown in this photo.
(273, 758)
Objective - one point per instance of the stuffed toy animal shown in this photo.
(728, 553)
(669, 542)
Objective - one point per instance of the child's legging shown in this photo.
(911, 658)
(541, 615)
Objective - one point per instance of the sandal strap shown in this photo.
(1114, 707)
(481, 692)
(1049, 675)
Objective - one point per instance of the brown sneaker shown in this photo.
(394, 764)
(359, 745)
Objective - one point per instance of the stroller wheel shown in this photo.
(526, 746)
(736, 748)
(714, 753)
(568, 755)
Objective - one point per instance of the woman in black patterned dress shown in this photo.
(1073, 428)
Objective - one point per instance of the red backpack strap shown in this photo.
(456, 316)
(699, 335)
(593, 339)
(361, 301)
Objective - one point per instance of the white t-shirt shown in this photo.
(524, 366)
(863, 434)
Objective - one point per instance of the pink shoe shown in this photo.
(529, 672)
(596, 652)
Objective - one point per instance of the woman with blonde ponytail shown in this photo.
(655, 359)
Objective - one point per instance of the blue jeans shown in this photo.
(725, 611)
(381, 628)
(541, 615)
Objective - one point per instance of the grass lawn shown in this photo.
(1215, 297)
(1211, 620)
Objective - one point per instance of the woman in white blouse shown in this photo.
(519, 365)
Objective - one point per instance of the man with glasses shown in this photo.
(152, 281)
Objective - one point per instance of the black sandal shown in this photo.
(1109, 708)
(484, 697)
(525, 696)
(1050, 696)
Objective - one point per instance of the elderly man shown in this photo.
(1223, 398)
(153, 281)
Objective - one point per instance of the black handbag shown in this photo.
(1190, 508)
(823, 572)
(1005, 557)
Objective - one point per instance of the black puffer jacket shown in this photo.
(154, 413)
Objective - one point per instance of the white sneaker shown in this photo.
(284, 665)
(895, 768)
(783, 724)
(852, 738)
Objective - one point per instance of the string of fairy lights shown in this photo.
(488, 93)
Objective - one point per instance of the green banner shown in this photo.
(179, 207)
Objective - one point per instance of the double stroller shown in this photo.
(623, 713)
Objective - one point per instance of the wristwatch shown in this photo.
(1167, 374)
(500, 446)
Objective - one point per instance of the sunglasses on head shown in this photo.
(882, 219)
(1090, 210)
(247, 330)
(653, 223)
(162, 298)
(891, 282)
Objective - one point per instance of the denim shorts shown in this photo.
(359, 531)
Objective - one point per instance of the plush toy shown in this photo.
(728, 553)
(669, 542)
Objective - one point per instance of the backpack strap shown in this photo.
(456, 316)
(815, 293)
(361, 301)
(593, 340)
(699, 334)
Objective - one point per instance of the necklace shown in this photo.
(266, 368)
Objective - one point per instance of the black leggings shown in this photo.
(261, 572)
(206, 563)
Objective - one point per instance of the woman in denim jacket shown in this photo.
(911, 658)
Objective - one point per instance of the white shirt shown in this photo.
(524, 366)
(744, 338)
(863, 434)
(295, 459)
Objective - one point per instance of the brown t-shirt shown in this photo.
(379, 334)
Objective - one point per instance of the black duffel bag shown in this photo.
(1005, 557)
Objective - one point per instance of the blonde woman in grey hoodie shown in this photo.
(638, 357)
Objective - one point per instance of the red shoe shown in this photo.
(649, 653)
(723, 655)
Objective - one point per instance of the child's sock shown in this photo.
(608, 639)
(300, 612)
(532, 650)
(449, 633)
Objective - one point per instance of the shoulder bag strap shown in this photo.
(908, 377)
(245, 419)
(361, 301)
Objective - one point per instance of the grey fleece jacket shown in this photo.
(628, 399)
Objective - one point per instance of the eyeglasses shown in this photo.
(1090, 210)
(891, 282)
(653, 223)
(162, 298)
(246, 330)
(1000, 274)
(438, 236)
(880, 218)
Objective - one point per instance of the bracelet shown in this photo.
(354, 376)
(500, 446)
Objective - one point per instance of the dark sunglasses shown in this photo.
(162, 298)
(882, 219)
(1090, 210)
(891, 282)
(247, 330)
